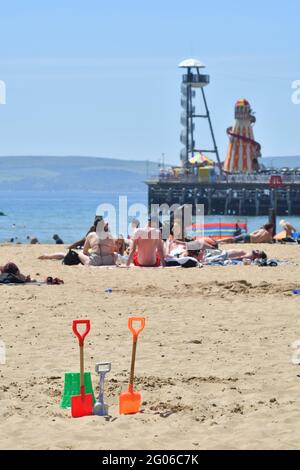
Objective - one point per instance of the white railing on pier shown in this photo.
(236, 179)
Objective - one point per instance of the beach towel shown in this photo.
(9, 278)
(184, 262)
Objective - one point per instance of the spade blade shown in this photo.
(129, 403)
(82, 405)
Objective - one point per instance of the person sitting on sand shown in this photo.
(263, 235)
(57, 239)
(147, 246)
(120, 245)
(238, 255)
(12, 268)
(99, 247)
(289, 230)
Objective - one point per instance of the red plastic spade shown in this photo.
(81, 405)
(130, 402)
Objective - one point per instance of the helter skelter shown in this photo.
(243, 151)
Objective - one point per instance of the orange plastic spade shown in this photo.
(81, 405)
(130, 402)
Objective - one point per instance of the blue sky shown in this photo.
(100, 78)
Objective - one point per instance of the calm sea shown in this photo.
(42, 214)
(70, 214)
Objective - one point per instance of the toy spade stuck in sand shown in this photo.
(81, 405)
(101, 408)
(130, 402)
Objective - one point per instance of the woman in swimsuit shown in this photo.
(99, 247)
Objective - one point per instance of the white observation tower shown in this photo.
(192, 80)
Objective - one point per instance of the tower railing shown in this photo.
(193, 79)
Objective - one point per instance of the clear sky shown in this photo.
(100, 77)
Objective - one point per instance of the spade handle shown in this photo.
(135, 333)
(133, 330)
(81, 336)
(81, 371)
(131, 380)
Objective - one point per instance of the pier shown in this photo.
(241, 195)
(239, 186)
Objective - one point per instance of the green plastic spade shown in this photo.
(72, 387)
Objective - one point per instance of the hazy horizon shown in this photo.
(121, 159)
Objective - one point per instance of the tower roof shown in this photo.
(242, 102)
(189, 63)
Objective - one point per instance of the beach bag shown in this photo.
(71, 258)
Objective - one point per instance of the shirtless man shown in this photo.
(147, 247)
(263, 235)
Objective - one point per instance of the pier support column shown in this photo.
(170, 196)
(228, 201)
(195, 197)
(209, 199)
(272, 220)
(182, 199)
(244, 198)
(257, 202)
(272, 198)
(240, 206)
(289, 202)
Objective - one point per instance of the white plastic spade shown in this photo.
(101, 408)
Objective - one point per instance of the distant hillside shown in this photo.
(69, 173)
(88, 173)
(281, 162)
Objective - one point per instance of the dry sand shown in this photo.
(214, 363)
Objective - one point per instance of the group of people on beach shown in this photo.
(34, 240)
(148, 246)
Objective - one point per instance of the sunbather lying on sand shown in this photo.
(191, 257)
(263, 235)
(238, 255)
(12, 268)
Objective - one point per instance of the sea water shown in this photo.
(70, 214)
(43, 214)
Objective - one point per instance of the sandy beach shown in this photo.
(214, 363)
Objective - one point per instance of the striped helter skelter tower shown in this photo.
(243, 151)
